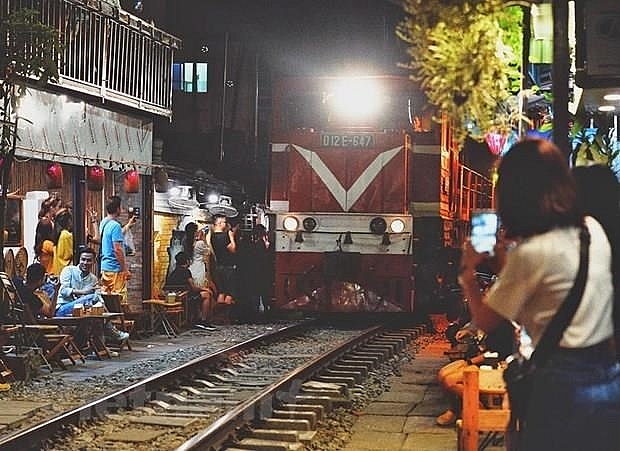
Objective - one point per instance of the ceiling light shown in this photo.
(611, 97)
(606, 108)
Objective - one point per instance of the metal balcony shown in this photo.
(108, 52)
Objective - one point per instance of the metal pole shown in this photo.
(560, 71)
(525, 82)
(225, 76)
(256, 92)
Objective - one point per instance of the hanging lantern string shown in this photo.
(121, 164)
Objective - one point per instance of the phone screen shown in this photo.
(484, 226)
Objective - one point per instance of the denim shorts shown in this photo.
(575, 402)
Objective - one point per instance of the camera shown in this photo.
(134, 211)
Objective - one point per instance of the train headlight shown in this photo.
(397, 225)
(355, 98)
(378, 225)
(291, 223)
(309, 224)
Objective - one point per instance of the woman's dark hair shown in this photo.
(536, 190)
(35, 272)
(188, 240)
(63, 221)
(599, 196)
(45, 227)
(47, 205)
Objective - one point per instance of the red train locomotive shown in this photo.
(357, 166)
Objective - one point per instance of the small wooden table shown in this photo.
(88, 330)
(160, 313)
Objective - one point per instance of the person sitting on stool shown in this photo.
(181, 276)
(37, 304)
(78, 285)
(502, 342)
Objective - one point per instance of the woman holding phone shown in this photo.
(576, 394)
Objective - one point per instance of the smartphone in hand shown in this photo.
(134, 211)
(484, 227)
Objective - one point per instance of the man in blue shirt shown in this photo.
(78, 285)
(114, 270)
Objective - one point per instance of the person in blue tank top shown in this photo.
(114, 270)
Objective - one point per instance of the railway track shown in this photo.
(269, 392)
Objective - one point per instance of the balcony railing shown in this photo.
(108, 52)
(475, 192)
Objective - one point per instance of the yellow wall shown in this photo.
(163, 225)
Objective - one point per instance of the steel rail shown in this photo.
(134, 395)
(261, 404)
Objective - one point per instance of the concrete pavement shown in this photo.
(403, 419)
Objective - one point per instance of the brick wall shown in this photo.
(163, 224)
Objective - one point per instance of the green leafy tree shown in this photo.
(466, 57)
(29, 53)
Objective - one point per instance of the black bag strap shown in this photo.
(554, 331)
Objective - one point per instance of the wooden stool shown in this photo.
(62, 346)
(165, 315)
(6, 373)
(485, 384)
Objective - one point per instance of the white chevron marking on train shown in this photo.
(347, 198)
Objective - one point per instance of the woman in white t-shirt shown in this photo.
(575, 399)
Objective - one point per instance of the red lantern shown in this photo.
(95, 177)
(132, 181)
(54, 175)
(495, 141)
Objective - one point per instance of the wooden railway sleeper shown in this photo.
(292, 424)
